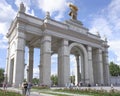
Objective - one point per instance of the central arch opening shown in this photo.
(77, 65)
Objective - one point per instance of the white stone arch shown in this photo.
(85, 59)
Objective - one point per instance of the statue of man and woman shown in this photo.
(73, 12)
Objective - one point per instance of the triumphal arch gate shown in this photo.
(63, 38)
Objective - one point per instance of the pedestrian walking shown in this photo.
(29, 88)
(4, 86)
(24, 88)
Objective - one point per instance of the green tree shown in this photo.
(72, 79)
(54, 79)
(1, 75)
(35, 81)
(114, 69)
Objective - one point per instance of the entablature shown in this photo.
(71, 29)
(22, 22)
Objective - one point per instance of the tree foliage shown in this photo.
(114, 69)
(72, 79)
(1, 75)
(54, 79)
(35, 81)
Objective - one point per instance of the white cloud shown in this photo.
(6, 12)
(36, 72)
(72, 60)
(72, 64)
(54, 59)
(52, 6)
(102, 26)
(108, 22)
(114, 46)
(3, 42)
(113, 10)
(3, 29)
(6, 15)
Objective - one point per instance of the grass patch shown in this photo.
(57, 94)
(40, 87)
(92, 92)
(87, 91)
(7, 93)
(46, 90)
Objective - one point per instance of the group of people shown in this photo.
(4, 86)
(26, 87)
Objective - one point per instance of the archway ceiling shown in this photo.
(75, 50)
(34, 40)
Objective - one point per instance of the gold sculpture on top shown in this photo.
(73, 12)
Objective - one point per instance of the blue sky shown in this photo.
(101, 16)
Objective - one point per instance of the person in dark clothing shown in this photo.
(25, 87)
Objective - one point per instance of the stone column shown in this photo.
(90, 65)
(86, 68)
(39, 73)
(63, 64)
(82, 68)
(30, 67)
(106, 68)
(8, 66)
(77, 75)
(7, 60)
(45, 60)
(18, 73)
(100, 66)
